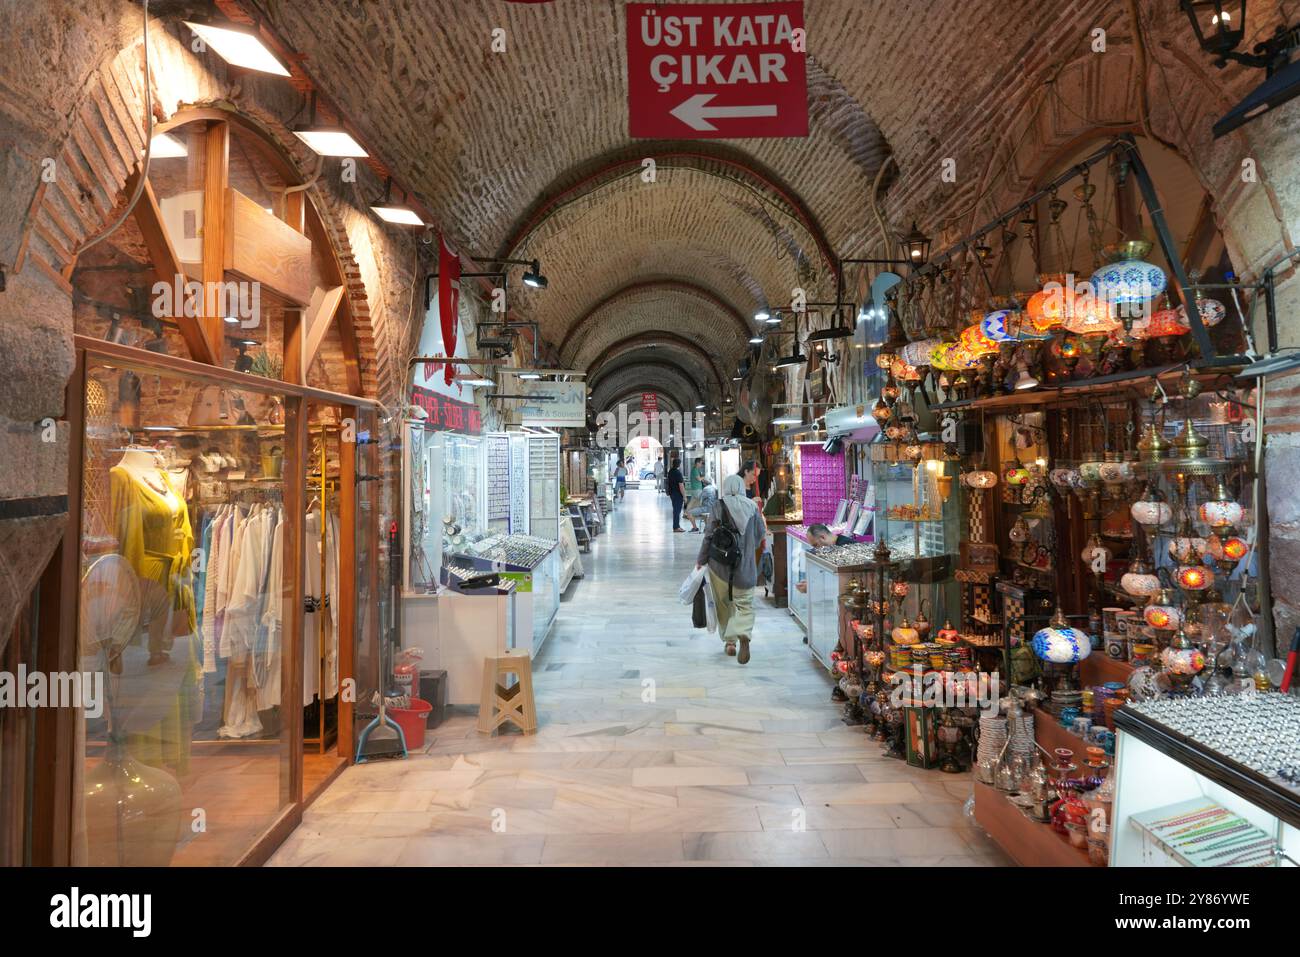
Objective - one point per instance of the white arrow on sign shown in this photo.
(696, 112)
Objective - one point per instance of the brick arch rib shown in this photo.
(659, 364)
(673, 285)
(644, 339)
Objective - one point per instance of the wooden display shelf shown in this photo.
(1026, 842)
(1097, 669)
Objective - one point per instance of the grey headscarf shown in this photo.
(742, 509)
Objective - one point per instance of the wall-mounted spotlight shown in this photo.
(533, 277)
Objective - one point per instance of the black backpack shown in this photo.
(726, 546)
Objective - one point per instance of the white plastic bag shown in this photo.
(686, 594)
(710, 605)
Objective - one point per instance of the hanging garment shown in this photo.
(332, 607)
(243, 619)
(268, 656)
(311, 620)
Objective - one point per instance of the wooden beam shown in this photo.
(294, 213)
(317, 320)
(216, 180)
(167, 269)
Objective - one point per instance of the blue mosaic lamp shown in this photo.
(1060, 644)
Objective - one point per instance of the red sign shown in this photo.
(716, 70)
(649, 402)
(447, 415)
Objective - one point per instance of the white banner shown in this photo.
(558, 405)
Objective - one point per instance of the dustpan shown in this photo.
(381, 738)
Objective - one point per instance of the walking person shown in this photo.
(693, 486)
(620, 480)
(736, 531)
(676, 493)
(659, 474)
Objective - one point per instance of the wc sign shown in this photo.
(716, 70)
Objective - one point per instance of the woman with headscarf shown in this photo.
(734, 587)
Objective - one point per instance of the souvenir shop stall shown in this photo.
(1097, 486)
(486, 556)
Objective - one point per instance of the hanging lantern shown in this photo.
(1067, 348)
(875, 658)
(976, 343)
(982, 479)
(1193, 577)
(998, 326)
(1221, 510)
(1129, 279)
(1091, 316)
(1163, 614)
(1017, 475)
(1090, 468)
(881, 412)
(896, 432)
(1229, 549)
(948, 635)
(912, 451)
(1019, 532)
(1064, 479)
(1139, 582)
(1163, 323)
(1212, 313)
(917, 354)
(1060, 644)
(904, 372)
(898, 589)
(905, 634)
(884, 359)
(1148, 511)
(1188, 549)
(1182, 660)
(1049, 307)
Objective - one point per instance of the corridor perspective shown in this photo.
(653, 748)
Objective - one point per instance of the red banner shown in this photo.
(447, 415)
(716, 70)
(448, 302)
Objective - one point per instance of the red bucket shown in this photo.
(412, 721)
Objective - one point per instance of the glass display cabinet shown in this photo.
(1173, 786)
(534, 567)
(796, 544)
(826, 583)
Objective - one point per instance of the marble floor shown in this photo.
(654, 748)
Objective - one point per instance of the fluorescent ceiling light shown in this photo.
(788, 420)
(238, 47)
(400, 215)
(756, 341)
(482, 382)
(166, 146)
(331, 142)
(762, 315)
(532, 376)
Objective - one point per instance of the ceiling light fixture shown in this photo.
(533, 277)
(836, 330)
(166, 146)
(396, 213)
(762, 315)
(788, 420)
(328, 140)
(756, 340)
(237, 45)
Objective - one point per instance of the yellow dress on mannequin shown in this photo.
(152, 526)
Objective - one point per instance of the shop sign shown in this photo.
(558, 405)
(446, 414)
(716, 70)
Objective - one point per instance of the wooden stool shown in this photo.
(499, 704)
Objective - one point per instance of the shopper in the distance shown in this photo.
(735, 534)
(749, 473)
(820, 536)
(701, 505)
(620, 480)
(676, 483)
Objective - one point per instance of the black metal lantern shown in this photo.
(1220, 25)
(916, 247)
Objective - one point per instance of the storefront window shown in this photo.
(186, 597)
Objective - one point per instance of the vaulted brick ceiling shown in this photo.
(526, 153)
